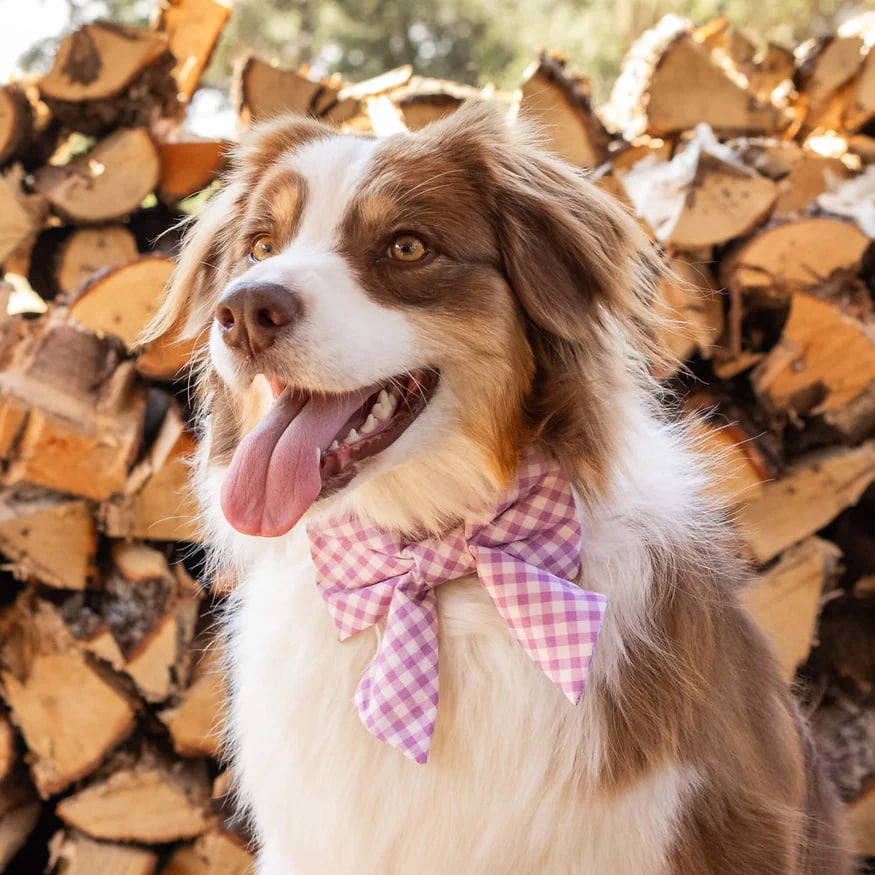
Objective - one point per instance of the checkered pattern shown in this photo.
(524, 554)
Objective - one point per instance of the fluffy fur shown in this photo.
(686, 754)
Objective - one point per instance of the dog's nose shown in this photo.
(252, 316)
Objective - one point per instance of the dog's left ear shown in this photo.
(570, 250)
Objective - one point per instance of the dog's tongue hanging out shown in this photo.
(274, 475)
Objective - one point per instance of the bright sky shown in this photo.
(24, 22)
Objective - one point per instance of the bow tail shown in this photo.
(398, 695)
(556, 622)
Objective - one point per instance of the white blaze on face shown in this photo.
(345, 339)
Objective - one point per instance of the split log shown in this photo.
(121, 301)
(72, 853)
(150, 620)
(89, 250)
(196, 723)
(831, 64)
(214, 853)
(193, 28)
(794, 257)
(670, 83)
(812, 493)
(146, 801)
(861, 822)
(19, 812)
(785, 600)
(774, 69)
(821, 366)
(16, 123)
(860, 109)
(157, 503)
(69, 714)
(809, 177)
(7, 747)
(559, 102)
(264, 91)
(691, 308)
(188, 166)
(21, 217)
(78, 409)
(863, 147)
(106, 76)
(107, 182)
(385, 82)
(737, 461)
(47, 537)
(703, 197)
(423, 101)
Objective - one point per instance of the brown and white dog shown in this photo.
(507, 297)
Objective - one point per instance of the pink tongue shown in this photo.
(274, 475)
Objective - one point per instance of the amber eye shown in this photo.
(262, 247)
(406, 247)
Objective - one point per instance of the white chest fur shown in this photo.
(506, 788)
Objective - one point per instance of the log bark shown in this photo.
(76, 410)
(106, 76)
(19, 812)
(16, 123)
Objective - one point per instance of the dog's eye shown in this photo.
(262, 247)
(406, 247)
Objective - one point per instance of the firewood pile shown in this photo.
(754, 169)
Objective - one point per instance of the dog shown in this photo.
(391, 326)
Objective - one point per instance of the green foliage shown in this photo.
(472, 41)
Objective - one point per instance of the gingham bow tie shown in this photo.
(524, 556)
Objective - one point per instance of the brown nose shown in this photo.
(252, 316)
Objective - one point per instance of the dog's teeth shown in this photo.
(383, 398)
(334, 446)
(370, 425)
(351, 438)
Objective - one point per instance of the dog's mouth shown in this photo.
(310, 445)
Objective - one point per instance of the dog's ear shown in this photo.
(211, 245)
(196, 282)
(570, 250)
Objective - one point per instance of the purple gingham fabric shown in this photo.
(524, 555)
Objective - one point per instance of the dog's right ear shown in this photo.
(200, 274)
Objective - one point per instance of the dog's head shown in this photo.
(391, 321)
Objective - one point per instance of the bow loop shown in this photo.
(524, 554)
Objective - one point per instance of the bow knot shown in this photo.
(524, 553)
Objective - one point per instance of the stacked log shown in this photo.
(753, 171)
